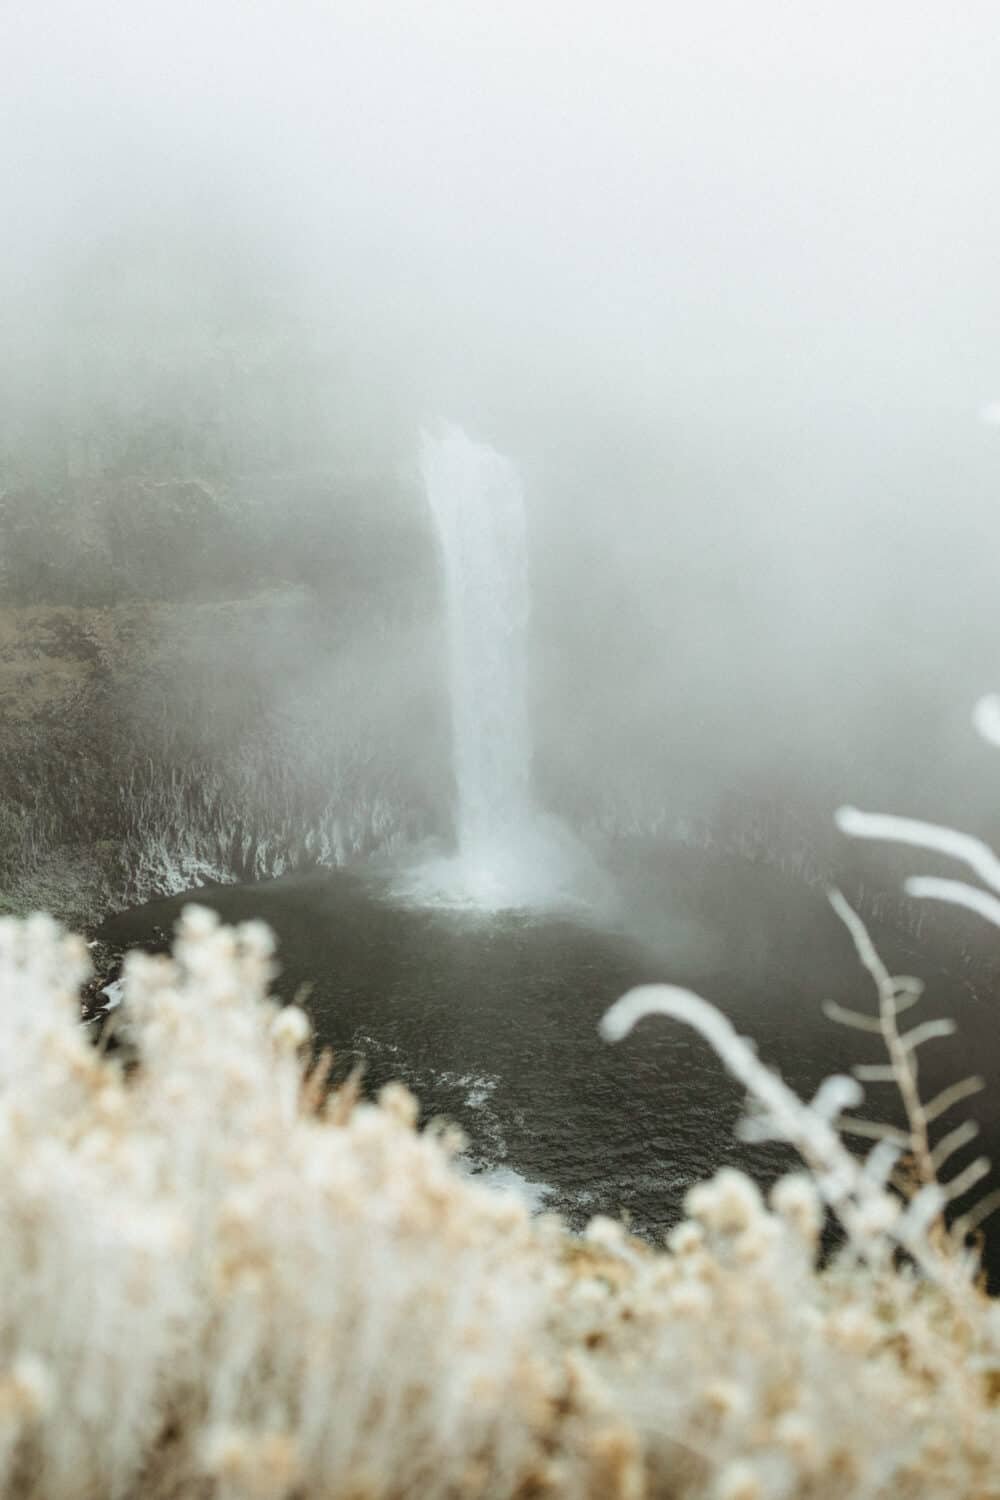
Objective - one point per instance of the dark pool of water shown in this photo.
(492, 1019)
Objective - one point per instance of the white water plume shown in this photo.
(477, 502)
(508, 854)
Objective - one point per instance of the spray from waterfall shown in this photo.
(508, 854)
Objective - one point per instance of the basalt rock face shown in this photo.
(204, 682)
(118, 539)
(186, 688)
(110, 541)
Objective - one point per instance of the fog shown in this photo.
(721, 279)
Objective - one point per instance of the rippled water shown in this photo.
(492, 1018)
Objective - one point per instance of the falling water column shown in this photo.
(477, 503)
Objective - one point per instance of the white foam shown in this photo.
(115, 992)
(505, 1179)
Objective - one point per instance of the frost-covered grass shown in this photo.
(211, 1283)
(221, 1281)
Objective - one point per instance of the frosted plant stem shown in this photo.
(884, 827)
(855, 1196)
(902, 1058)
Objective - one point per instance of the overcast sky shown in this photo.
(747, 203)
(725, 277)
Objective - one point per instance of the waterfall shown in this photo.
(477, 502)
(509, 853)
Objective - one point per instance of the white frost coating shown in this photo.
(654, 1000)
(868, 1213)
(972, 851)
(956, 892)
(834, 1095)
(794, 1120)
(986, 718)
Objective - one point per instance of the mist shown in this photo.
(498, 535)
(722, 284)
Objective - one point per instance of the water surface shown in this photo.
(492, 1017)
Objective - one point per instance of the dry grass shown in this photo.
(216, 1284)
